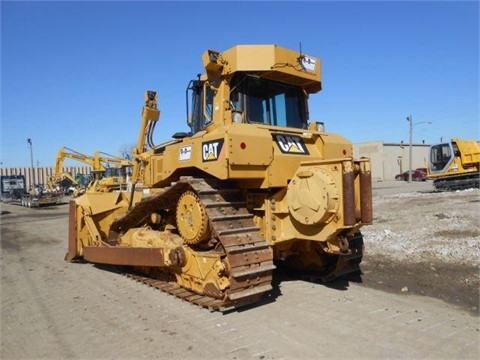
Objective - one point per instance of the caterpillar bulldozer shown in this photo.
(114, 174)
(455, 165)
(254, 185)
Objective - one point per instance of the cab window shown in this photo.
(268, 102)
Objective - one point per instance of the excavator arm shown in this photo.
(64, 153)
(93, 161)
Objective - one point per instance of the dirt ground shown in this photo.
(425, 242)
(417, 297)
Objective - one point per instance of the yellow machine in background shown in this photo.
(455, 165)
(104, 179)
(111, 178)
(59, 178)
(252, 184)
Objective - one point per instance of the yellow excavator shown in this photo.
(62, 178)
(455, 165)
(254, 185)
(105, 178)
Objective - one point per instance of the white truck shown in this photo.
(13, 190)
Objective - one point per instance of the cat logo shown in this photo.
(211, 150)
(291, 144)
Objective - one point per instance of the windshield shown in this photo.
(269, 102)
(114, 171)
(440, 157)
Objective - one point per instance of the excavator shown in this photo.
(65, 179)
(105, 178)
(455, 165)
(254, 185)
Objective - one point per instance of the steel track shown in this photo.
(247, 254)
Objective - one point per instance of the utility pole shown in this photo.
(409, 119)
(32, 185)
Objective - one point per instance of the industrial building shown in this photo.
(390, 159)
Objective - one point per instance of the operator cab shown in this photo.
(441, 156)
(253, 100)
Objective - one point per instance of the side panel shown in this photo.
(248, 145)
(469, 151)
(268, 155)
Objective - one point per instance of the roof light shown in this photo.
(317, 126)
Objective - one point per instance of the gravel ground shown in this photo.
(52, 309)
(424, 242)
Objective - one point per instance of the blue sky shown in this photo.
(74, 73)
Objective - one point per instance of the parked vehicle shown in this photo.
(419, 174)
(13, 190)
(12, 187)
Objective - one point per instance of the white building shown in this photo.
(390, 159)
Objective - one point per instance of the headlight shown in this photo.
(317, 126)
(237, 116)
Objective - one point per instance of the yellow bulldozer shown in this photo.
(113, 175)
(253, 186)
(455, 165)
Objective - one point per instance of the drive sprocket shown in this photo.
(192, 219)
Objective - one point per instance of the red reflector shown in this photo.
(243, 146)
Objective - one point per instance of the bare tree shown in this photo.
(127, 150)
